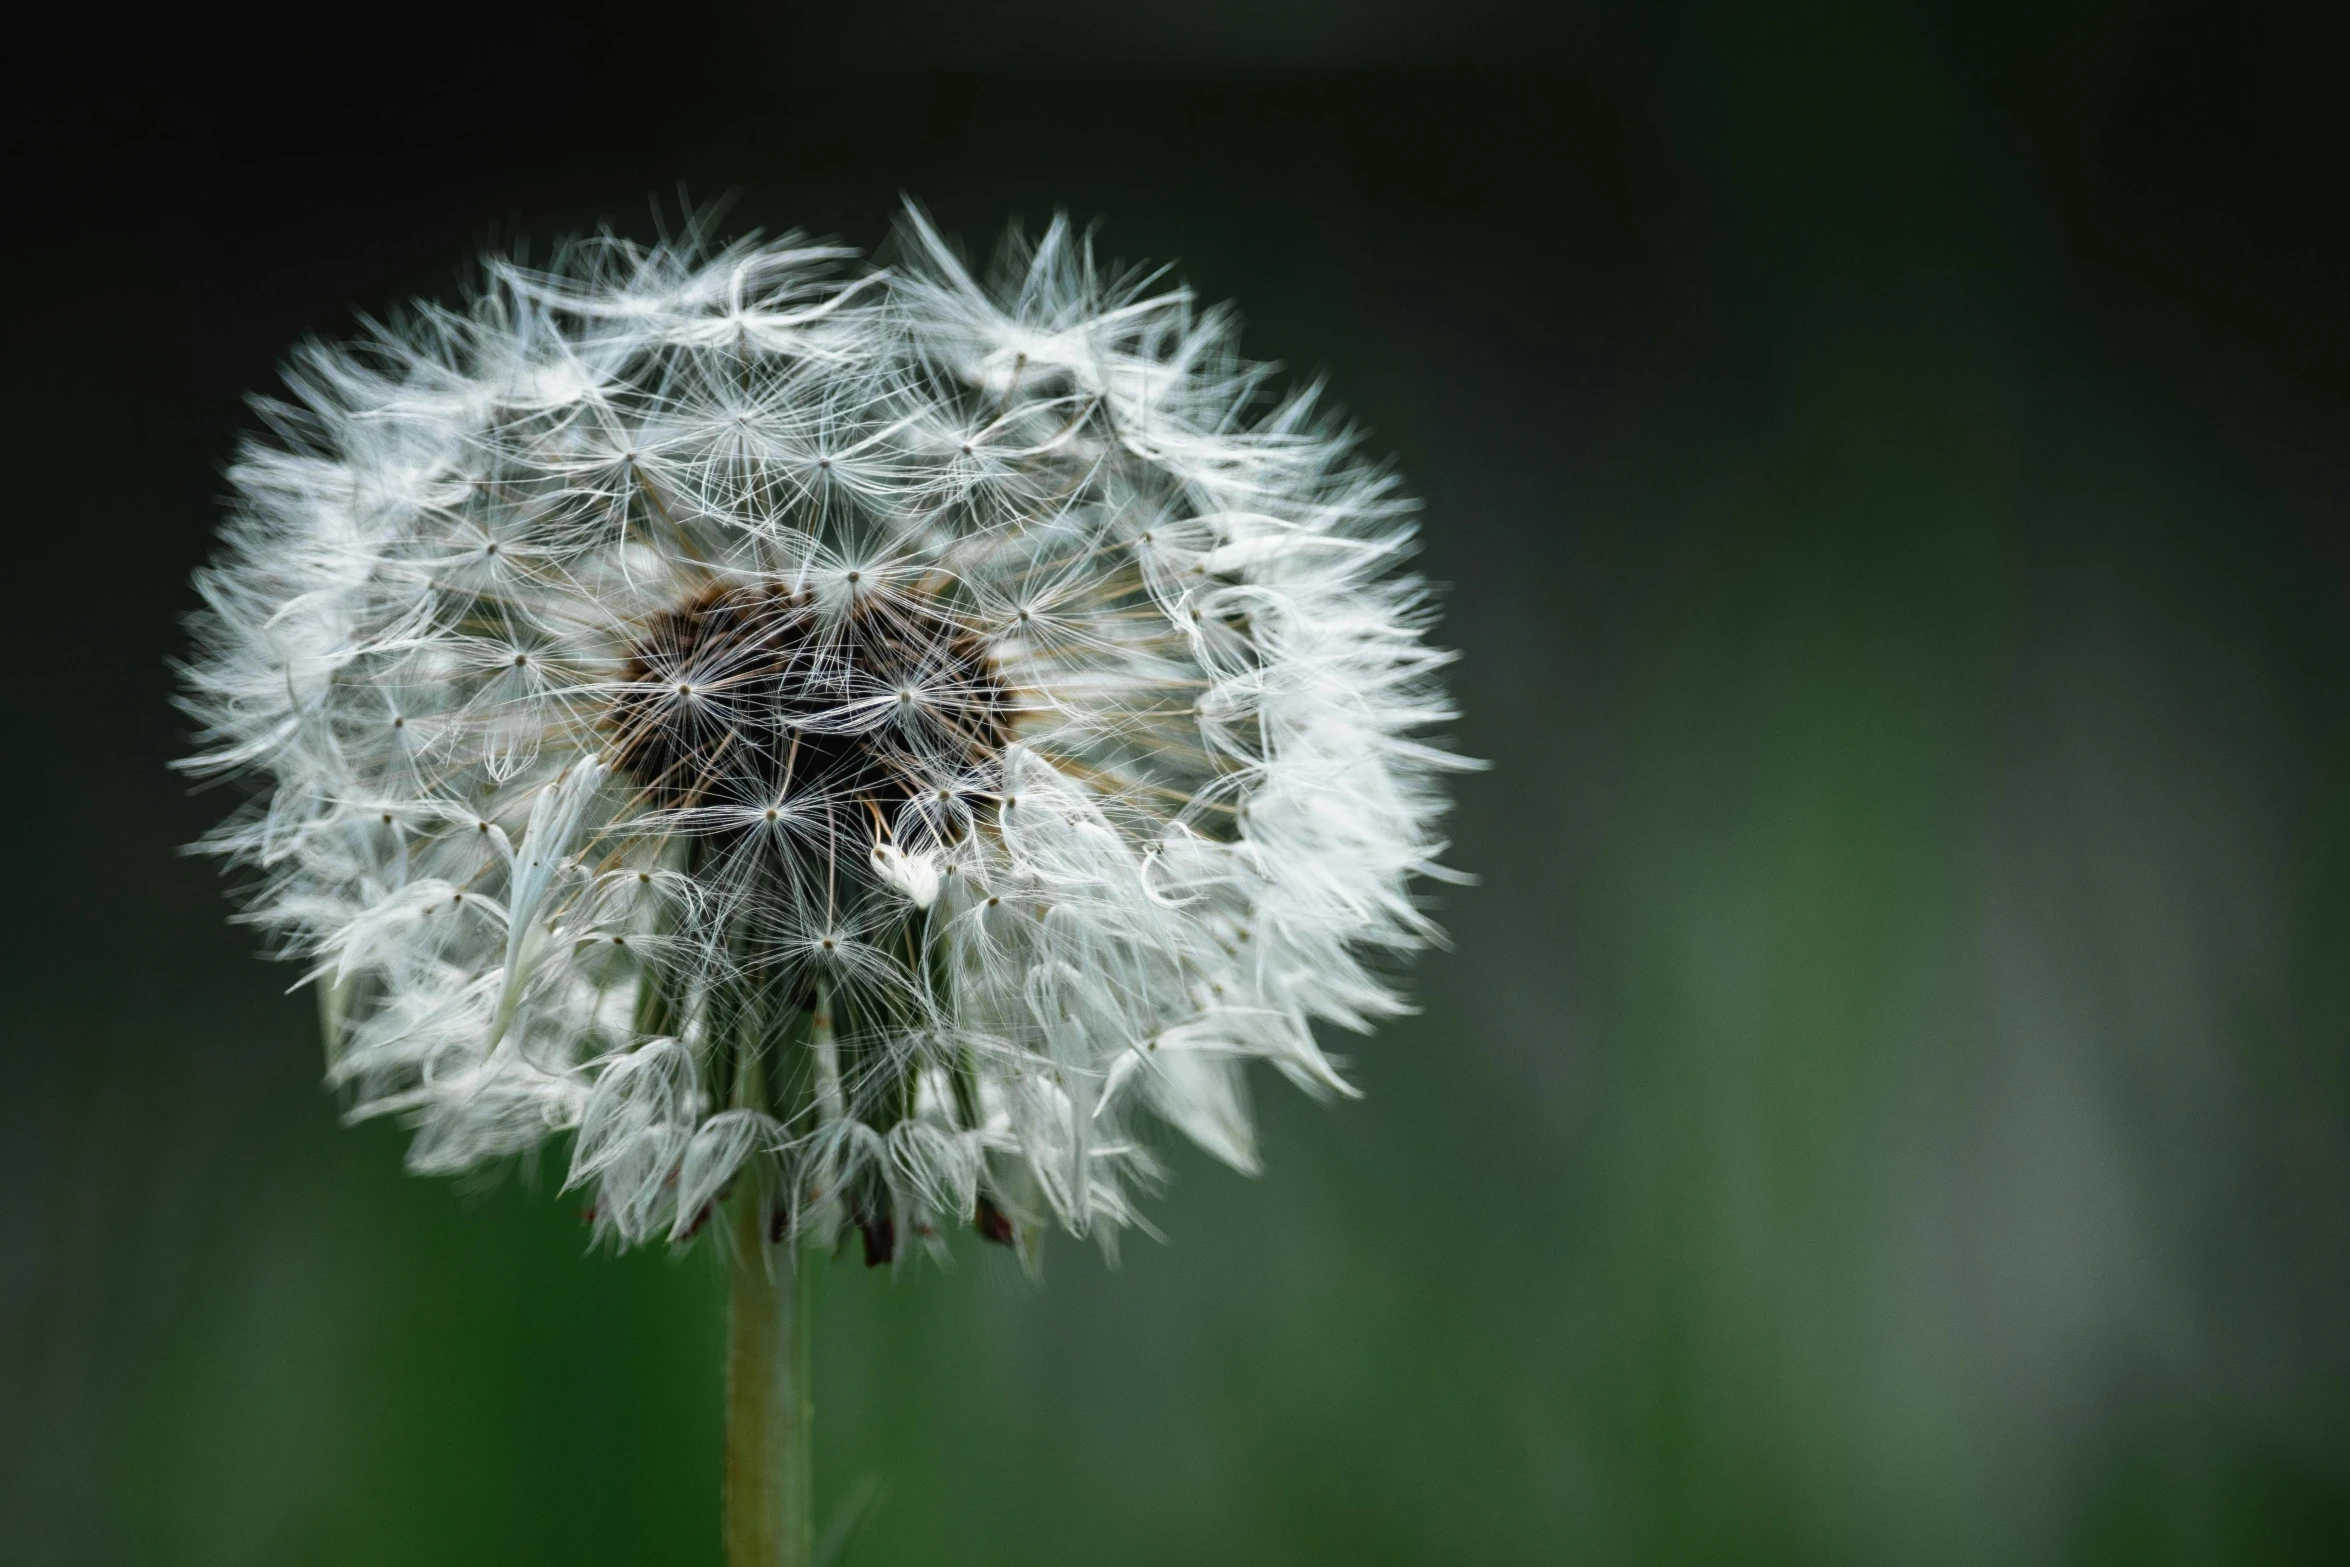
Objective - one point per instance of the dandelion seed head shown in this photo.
(882, 735)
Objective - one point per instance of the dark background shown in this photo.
(1888, 1102)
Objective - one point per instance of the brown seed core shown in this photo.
(747, 695)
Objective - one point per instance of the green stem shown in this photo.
(770, 1480)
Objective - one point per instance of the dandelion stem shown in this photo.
(770, 1480)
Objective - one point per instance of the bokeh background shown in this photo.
(1890, 1098)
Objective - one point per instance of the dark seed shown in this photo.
(759, 661)
(992, 1223)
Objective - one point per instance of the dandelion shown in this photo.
(847, 746)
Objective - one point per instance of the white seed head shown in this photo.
(871, 734)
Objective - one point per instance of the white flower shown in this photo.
(860, 732)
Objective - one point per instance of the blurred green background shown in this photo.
(1888, 1100)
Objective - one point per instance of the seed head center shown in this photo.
(747, 694)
